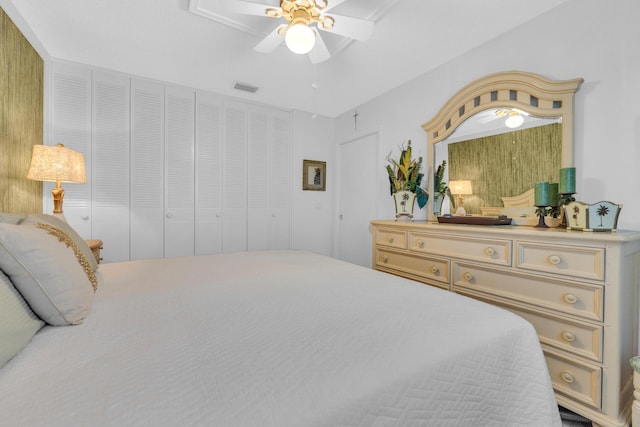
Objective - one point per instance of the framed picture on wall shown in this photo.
(314, 175)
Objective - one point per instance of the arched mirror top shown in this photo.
(512, 89)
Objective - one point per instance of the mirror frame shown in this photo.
(512, 89)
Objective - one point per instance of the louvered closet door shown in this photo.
(234, 216)
(147, 170)
(179, 225)
(110, 165)
(259, 160)
(280, 203)
(71, 126)
(208, 226)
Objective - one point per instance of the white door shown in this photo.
(357, 172)
(147, 170)
(179, 222)
(208, 227)
(110, 164)
(71, 119)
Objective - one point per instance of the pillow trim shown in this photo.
(82, 259)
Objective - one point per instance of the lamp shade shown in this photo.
(460, 187)
(300, 38)
(57, 164)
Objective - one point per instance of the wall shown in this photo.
(591, 39)
(21, 118)
(313, 211)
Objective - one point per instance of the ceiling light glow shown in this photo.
(300, 38)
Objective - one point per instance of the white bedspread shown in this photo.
(278, 339)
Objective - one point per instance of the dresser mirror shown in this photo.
(471, 134)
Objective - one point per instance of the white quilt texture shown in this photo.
(284, 338)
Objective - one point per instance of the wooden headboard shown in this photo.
(21, 118)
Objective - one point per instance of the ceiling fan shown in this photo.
(303, 20)
(513, 116)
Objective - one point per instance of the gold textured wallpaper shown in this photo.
(507, 164)
(21, 118)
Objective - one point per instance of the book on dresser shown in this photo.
(578, 289)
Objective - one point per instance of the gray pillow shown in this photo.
(68, 230)
(44, 268)
(18, 324)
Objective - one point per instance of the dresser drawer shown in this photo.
(580, 338)
(433, 268)
(575, 298)
(485, 250)
(391, 238)
(574, 261)
(579, 381)
(583, 339)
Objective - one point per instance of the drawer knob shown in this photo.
(385, 259)
(390, 239)
(419, 243)
(555, 259)
(568, 336)
(467, 276)
(489, 251)
(570, 298)
(434, 269)
(567, 377)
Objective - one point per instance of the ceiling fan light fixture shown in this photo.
(326, 22)
(514, 120)
(300, 38)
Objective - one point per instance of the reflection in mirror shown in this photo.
(503, 132)
(498, 160)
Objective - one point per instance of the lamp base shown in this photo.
(58, 196)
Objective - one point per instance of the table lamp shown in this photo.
(460, 188)
(57, 164)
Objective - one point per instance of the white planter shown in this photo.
(404, 200)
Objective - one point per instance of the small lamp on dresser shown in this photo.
(57, 164)
(460, 188)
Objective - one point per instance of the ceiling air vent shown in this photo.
(245, 87)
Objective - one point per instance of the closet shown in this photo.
(171, 171)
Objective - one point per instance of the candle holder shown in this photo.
(565, 199)
(541, 211)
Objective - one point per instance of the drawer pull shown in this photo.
(385, 259)
(568, 336)
(434, 269)
(570, 298)
(467, 276)
(555, 259)
(489, 251)
(419, 243)
(390, 239)
(567, 377)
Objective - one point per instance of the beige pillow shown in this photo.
(46, 272)
(68, 230)
(18, 324)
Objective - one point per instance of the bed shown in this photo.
(273, 338)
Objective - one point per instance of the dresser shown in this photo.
(578, 289)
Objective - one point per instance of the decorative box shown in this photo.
(600, 216)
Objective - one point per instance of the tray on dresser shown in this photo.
(475, 220)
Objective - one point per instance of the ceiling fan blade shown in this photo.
(271, 42)
(353, 28)
(246, 8)
(331, 4)
(319, 53)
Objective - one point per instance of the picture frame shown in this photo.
(314, 175)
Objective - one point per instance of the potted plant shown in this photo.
(441, 189)
(404, 181)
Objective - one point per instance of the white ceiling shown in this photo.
(162, 39)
